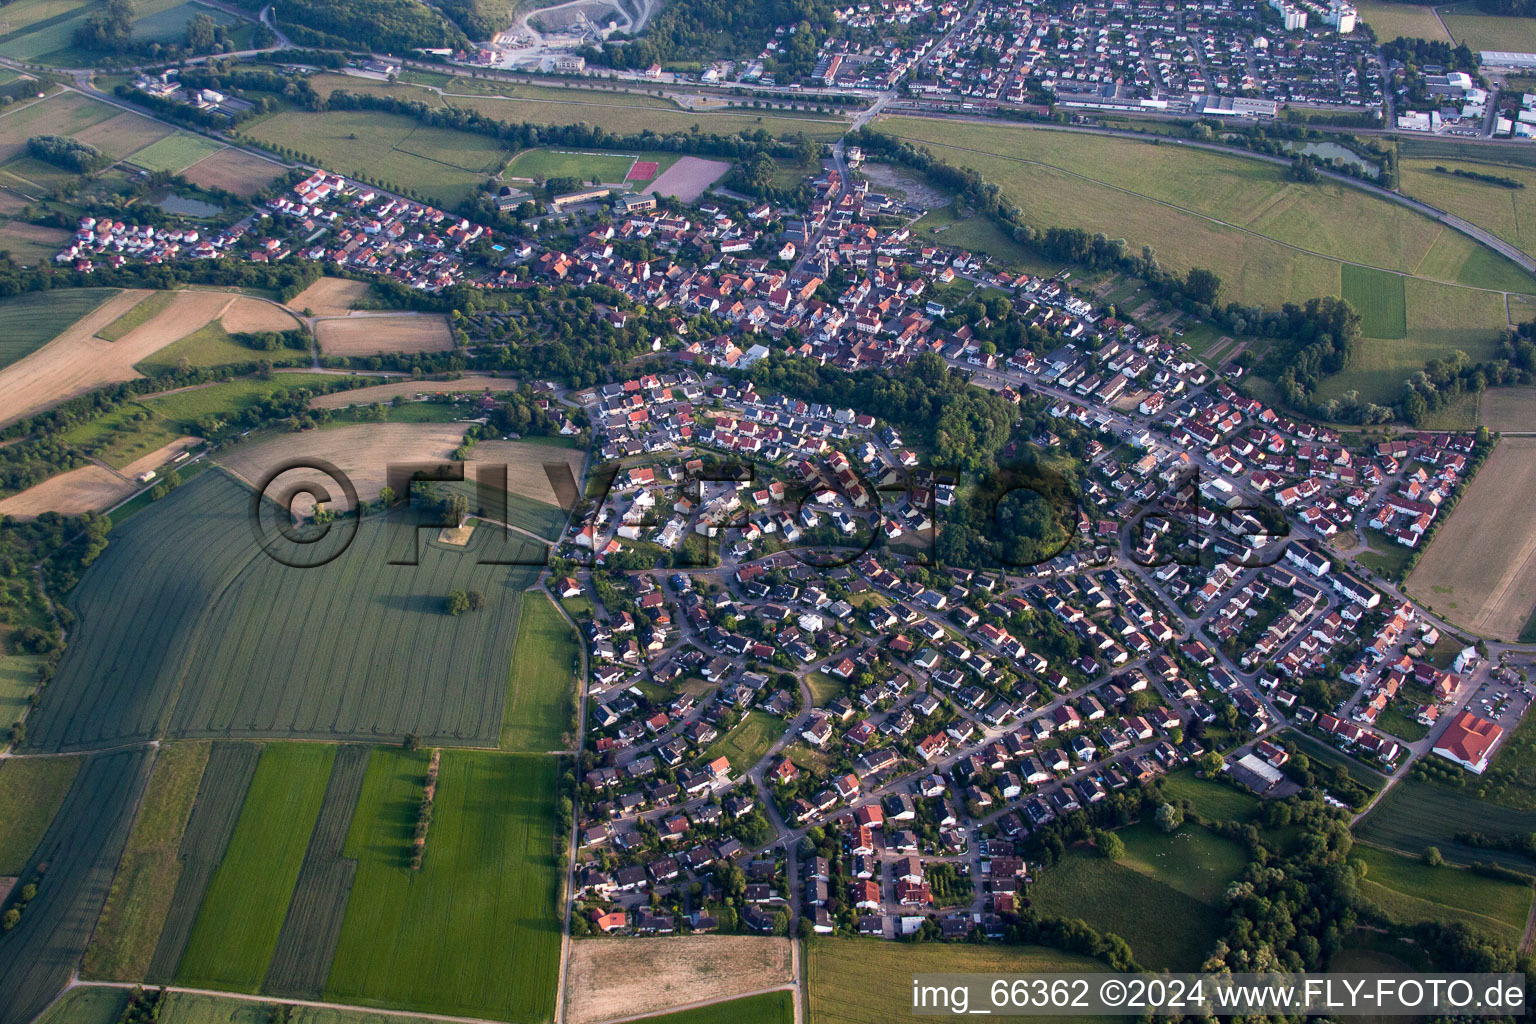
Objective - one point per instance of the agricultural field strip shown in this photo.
(1057, 168)
(312, 927)
(82, 848)
(227, 778)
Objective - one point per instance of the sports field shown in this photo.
(174, 153)
(1270, 239)
(1480, 570)
(1409, 890)
(476, 931)
(356, 649)
(130, 923)
(34, 318)
(867, 981)
(541, 679)
(237, 927)
(563, 163)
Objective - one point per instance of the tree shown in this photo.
(1169, 817)
(1111, 846)
(1433, 857)
(10, 920)
(458, 603)
(476, 600)
(781, 922)
(202, 33)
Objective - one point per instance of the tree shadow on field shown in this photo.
(396, 831)
(417, 604)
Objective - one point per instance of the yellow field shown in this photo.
(329, 296)
(377, 334)
(248, 315)
(623, 977)
(87, 489)
(1480, 571)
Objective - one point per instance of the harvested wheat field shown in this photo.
(1480, 570)
(1508, 409)
(361, 451)
(528, 469)
(87, 489)
(76, 361)
(624, 977)
(159, 457)
(126, 133)
(239, 172)
(367, 334)
(329, 296)
(472, 385)
(247, 316)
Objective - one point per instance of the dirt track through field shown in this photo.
(368, 335)
(622, 977)
(1484, 559)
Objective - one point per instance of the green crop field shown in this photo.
(18, 681)
(355, 649)
(201, 1008)
(31, 790)
(1509, 213)
(1415, 814)
(243, 910)
(313, 925)
(81, 850)
(1215, 800)
(139, 314)
(1379, 298)
(1389, 20)
(767, 1008)
(87, 1006)
(221, 794)
(541, 678)
(174, 153)
(212, 345)
(489, 881)
(748, 741)
(1469, 25)
(1409, 890)
(444, 165)
(1270, 239)
(867, 981)
(35, 318)
(1132, 904)
(130, 924)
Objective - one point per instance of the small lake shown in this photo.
(1334, 151)
(182, 206)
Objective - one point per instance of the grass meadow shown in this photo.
(869, 981)
(174, 153)
(1415, 814)
(31, 790)
(541, 678)
(1379, 298)
(1408, 890)
(1390, 20)
(1480, 31)
(747, 741)
(1509, 213)
(1215, 800)
(476, 931)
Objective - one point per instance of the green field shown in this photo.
(1133, 904)
(81, 850)
(1415, 814)
(747, 741)
(43, 30)
(313, 924)
(130, 924)
(35, 318)
(1379, 298)
(1509, 213)
(944, 226)
(138, 315)
(220, 796)
(768, 1008)
(1389, 20)
(1215, 800)
(31, 790)
(18, 681)
(212, 345)
(445, 166)
(1409, 890)
(868, 981)
(87, 1006)
(489, 881)
(1510, 780)
(200, 1008)
(174, 153)
(243, 909)
(1270, 239)
(559, 163)
(541, 678)
(355, 649)
(1469, 25)
(1196, 862)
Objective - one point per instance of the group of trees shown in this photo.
(461, 601)
(109, 30)
(688, 30)
(383, 26)
(70, 154)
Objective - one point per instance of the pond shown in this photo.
(1334, 151)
